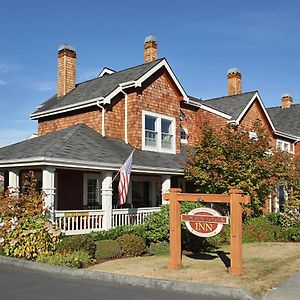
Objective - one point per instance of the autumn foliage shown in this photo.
(25, 231)
(230, 158)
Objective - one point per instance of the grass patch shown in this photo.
(265, 265)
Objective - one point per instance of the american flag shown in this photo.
(125, 179)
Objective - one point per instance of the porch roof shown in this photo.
(82, 147)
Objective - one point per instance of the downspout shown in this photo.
(126, 113)
(103, 115)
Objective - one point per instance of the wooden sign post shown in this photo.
(235, 198)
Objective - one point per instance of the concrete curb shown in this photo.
(193, 288)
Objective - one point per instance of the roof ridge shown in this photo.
(67, 136)
(217, 98)
(118, 72)
(279, 106)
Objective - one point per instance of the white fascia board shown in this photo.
(287, 135)
(255, 96)
(106, 71)
(209, 109)
(66, 108)
(163, 63)
(83, 165)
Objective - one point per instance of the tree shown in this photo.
(229, 158)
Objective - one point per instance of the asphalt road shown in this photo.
(19, 283)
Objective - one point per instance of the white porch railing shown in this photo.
(74, 222)
(78, 221)
(134, 216)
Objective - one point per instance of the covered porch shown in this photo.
(82, 201)
(75, 168)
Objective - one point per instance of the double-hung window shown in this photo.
(283, 145)
(158, 132)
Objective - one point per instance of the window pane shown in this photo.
(150, 123)
(92, 191)
(166, 136)
(166, 126)
(150, 131)
(286, 147)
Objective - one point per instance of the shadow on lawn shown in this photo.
(212, 255)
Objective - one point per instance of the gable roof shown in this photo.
(103, 89)
(233, 107)
(82, 147)
(286, 120)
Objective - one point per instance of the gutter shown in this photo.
(123, 86)
(103, 116)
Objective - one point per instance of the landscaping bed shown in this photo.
(265, 265)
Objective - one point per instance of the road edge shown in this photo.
(180, 286)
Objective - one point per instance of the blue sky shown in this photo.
(200, 39)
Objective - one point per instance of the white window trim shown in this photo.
(282, 148)
(87, 176)
(158, 148)
(184, 141)
(253, 135)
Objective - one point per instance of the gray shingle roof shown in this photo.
(286, 120)
(230, 105)
(81, 143)
(98, 87)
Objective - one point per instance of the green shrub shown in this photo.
(260, 229)
(132, 245)
(157, 225)
(222, 238)
(30, 237)
(114, 233)
(76, 259)
(159, 248)
(74, 243)
(293, 233)
(108, 249)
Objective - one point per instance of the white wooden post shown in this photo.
(166, 185)
(13, 180)
(106, 193)
(48, 187)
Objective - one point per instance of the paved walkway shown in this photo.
(286, 290)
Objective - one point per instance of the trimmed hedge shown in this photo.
(70, 244)
(76, 259)
(114, 233)
(160, 248)
(132, 245)
(106, 249)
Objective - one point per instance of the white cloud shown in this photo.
(3, 82)
(4, 68)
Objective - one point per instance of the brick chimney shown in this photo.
(66, 75)
(234, 77)
(150, 49)
(286, 101)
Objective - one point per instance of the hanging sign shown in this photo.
(204, 221)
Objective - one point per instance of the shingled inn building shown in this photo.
(87, 130)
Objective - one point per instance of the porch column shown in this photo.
(106, 193)
(48, 187)
(13, 179)
(166, 185)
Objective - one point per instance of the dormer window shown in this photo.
(182, 116)
(183, 135)
(158, 132)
